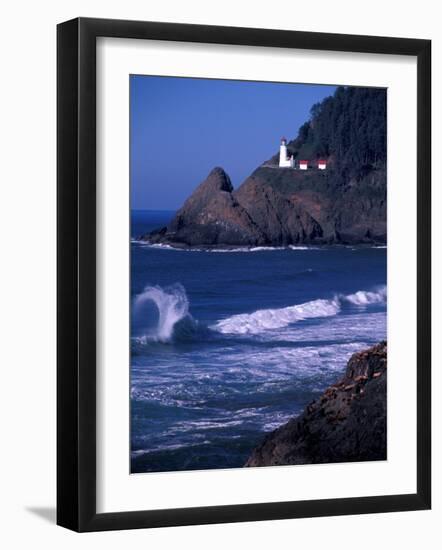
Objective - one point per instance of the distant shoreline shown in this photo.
(242, 248)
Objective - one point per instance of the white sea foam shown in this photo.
(172, 305)
(158, 246)
(147, 244)
(247, 249)
(263, 248)
(364, 297)
(296, 247)
(264, 319)
(162, 246)
(268, 319)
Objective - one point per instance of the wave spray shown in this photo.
(172, 305)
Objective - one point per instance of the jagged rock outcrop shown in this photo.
(211, 216)
(347, 423)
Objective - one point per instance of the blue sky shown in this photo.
(182, 127)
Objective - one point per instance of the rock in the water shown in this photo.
(347, 423)
(211, 216)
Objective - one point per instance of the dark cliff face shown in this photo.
(347, 423)
(291, 206)
(282, 220)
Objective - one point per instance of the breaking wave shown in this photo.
(175, 321)
(267, 319)
(173, 311)
(365, 298)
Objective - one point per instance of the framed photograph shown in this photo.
(243, 232)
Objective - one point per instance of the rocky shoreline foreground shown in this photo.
(348, 423)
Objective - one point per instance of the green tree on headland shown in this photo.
(349, 129)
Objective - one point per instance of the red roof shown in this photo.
(322, 162)
(303, 162)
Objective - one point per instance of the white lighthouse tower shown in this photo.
(284, 160)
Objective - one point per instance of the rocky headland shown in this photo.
(344, 204)
(348, 423)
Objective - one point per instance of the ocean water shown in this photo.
(227, 345)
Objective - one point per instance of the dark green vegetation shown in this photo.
(349, 129)
(281, 206)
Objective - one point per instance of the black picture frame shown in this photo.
(76, 273)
